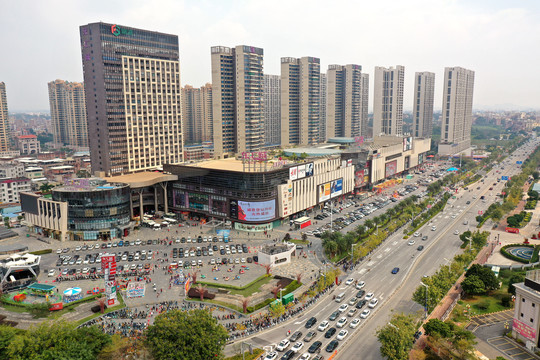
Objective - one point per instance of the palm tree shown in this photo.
(369, 223)
(268, 267)
(299, 278)
(201, 289)
(245, 303)
(194, 275)
(331, 247)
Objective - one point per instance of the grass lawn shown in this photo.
(230, 306)
(108, 310)
(248, 356)
(251, 288)
(299, 241)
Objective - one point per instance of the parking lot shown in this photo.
(163, 263)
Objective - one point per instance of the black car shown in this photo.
(332, 346)
(295, 336)
(249, 260)
(311, 321)
(149, 242)
(420, 248)
(334, 316)
(315, 347)
(360, 294)
(330, 332)
(288, 355)
(361, 304)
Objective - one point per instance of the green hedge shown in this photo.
(531, 205)
(510, 256)
(6, 299)
(287, 290)
(41, 252)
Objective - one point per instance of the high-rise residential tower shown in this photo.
(424, 90)
(388, 101)
(458, 88)
(272, 110)
(364, 105)
(68, 113)
(344, 100)
(300, 100)
(237, 99)
(197, 113)
(322, 111)
(5, 139)
(133, 98)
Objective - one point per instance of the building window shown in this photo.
(521, 314)
(522, 299)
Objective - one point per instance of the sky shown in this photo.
(497, 39)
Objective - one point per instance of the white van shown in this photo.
(340, 297)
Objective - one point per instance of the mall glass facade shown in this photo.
(99, 212)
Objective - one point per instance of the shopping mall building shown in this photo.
(252, 192)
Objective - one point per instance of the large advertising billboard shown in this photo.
(293, 173)
(324, 192)
(301, 171)
(524, 329)
(336, 188)
(256, 210)
(309, 169)
(390, 168)
(407, 143)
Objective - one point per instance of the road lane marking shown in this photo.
(362, 271)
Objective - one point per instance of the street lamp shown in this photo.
(378, 229)
(352, 251)
(425, 308)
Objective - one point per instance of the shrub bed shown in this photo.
(510, 256)
(41, 252)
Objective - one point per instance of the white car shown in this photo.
(354, 323)
(342, 334)
(297, 347)
(305, 356)
(416, 234)
(411, 242)
(349, 281)
(456, 232)
(78, 248)
(283, 345)
(341, 322)
(360, 285)
(271, 356)
(85, 270)
(343, 308)
(51, 272)
(369, 296)
(433, 228)
(365, 314)
(323, 325)
(373, 303)
(59, 251)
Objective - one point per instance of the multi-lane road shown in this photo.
(394, 291)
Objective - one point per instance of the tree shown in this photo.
(201, 289)
(485, 275)
(268, 268)
(186, 335)
(396, 338)
(276, 309)
(46, 188)
(304, 237)
(275, 290)
(124, 348)
(437, 328)
(7, 334)
(516, 278)
(299, 278)
(535, 175)
(194, 276)
(473, 285)
(330, 247)
(57, 340)
(245, 303)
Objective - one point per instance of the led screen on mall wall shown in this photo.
(301, 171)
(256, 210)
(390, 168)
(309, 169)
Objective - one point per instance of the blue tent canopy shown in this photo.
(452, 169)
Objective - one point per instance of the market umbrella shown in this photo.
(72, 291)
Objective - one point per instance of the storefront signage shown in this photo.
(117, 30)
(108, 264)
(301, 171)
(255, 156)
(286, 199)
(349, 162)
(256, 210)
(309, 169)
(524, 330)
(293, 173)
(336, 188)
(257, 228)
(359, 140)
